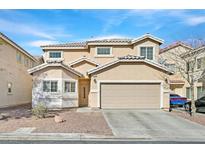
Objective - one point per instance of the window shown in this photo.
(18, 57)
(104, 51)
(54, 86)
(9, 85)
(22, 59)
(188, 92)
(69, 86)
(26, 62)
(190, 66)
(55, 54)
(200, 92)
(198, 63)
(147, 52)
(50, 86)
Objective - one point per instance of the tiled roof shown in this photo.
(83, 59)
(131, 57)
(176, 82)
(53, 64)
(173, 45)
(72, 44)
(117, 41)
(114, 40)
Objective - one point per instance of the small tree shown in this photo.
(186, 65)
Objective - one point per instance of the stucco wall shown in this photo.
(117, 51)
(58, 99)
(16, 73)
(127, 71)
(83, 67)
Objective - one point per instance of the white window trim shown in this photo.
(55, 51)
(110, 55)
(58, 83)
(154, 51)
(76, 86)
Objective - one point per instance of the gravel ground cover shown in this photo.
(75, 122)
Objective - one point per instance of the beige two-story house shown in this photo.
(108, 73)
(15, 81)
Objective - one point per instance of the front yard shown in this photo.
(92, 122)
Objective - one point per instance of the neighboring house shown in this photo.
(109, 73)
(178, 84)
(39, 59)
(15, 81)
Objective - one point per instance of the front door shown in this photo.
(84, 88)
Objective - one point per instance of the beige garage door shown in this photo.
(130, 95)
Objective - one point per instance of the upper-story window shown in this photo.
(18, 57)
(104, 51)
(147, 52)
(198, 63)
(55, 54)
(190, 66)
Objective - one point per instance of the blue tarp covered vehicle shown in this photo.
(177, 101)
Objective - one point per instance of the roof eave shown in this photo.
(83, 59)
(116, 61)
(60, 47)
(160, 41)
(5, 38)
(35, 69)
(108, 43)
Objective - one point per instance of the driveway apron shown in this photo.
(154, 124)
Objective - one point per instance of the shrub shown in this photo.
(40, 110)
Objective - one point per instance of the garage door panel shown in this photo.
(130, 95)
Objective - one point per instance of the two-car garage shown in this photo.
(129, 83)
(130, 95)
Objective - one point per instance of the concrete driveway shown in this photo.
(153, 124)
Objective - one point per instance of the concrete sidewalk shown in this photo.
(61, 136)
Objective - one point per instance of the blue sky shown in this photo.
(32, 28)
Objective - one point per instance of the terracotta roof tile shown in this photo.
(173, 45)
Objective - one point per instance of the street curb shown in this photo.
(62, 136)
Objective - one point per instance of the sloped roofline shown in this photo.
(146, 36)
(45, 65)
(84, 45)
(83, 59)
(194, 51)
(121, 59)
(173, 45)
(12, 43)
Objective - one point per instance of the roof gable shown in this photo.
(45, 65)
(83, 59)
(130, 58)
(174, 45)
(148, 36)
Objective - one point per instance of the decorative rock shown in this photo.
(58, 119)
(2, 117)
